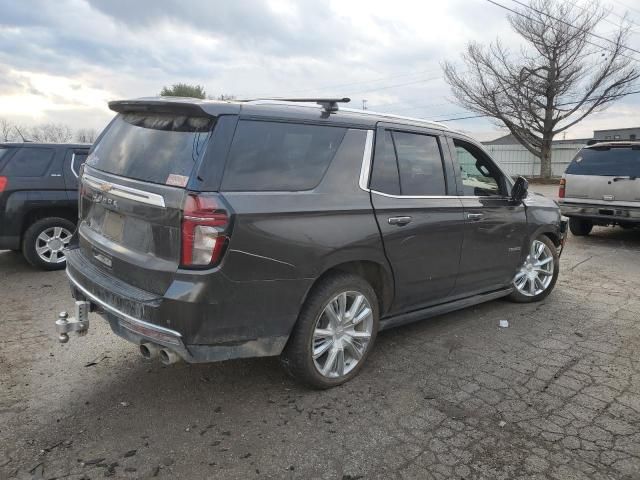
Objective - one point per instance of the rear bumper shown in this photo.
(142, 317)
(601, 213)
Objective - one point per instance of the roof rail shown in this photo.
(328, 104)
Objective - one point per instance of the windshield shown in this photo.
(158, 148)
(612, 162)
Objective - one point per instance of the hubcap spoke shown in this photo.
(331, 359)
(44, 237)
(540, 263)
(355, 306)
(340, 363)
(322, 348)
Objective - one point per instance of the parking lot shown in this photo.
(556, 394)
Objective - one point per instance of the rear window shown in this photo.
(269, 156)
(158, 148)
(607, 162)
(28, 162)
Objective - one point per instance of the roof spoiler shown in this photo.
(184, 107)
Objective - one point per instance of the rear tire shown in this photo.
(580, 227)
(47, 254)
(341, 338)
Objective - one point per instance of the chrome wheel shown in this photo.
(341, 334)
(536, 274)
(50, 244)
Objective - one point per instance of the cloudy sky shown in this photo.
(63, 60)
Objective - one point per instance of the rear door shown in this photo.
(604, 175)
(495, 229)
(419, 216)
(133, 190)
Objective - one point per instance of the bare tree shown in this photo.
(86, 135)
(50, 132)
(563, 74)
(7, 133)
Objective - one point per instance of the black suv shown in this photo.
(39, 199)
(218, 230)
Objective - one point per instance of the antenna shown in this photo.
(21, 136)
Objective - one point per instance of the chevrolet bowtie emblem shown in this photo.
(105, 187)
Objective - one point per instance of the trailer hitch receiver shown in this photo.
(78, 324)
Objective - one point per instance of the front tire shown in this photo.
(43, 242)
(580, 227)
(537, 276)
(335, 332)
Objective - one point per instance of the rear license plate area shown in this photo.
(113, 226)
(606, 211)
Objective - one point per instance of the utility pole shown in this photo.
(364, 104)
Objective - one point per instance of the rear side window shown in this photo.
(77, 159)
(29, 162)
(270, 156)
(610, 162)
(419, 164)
(158, 148)
(384, 176)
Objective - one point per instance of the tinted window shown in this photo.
(480, 178)
(420, 164)
(279, 156)
(609, 162)
(384, 175)
(29, 162)
(158, 148)
(77, 159)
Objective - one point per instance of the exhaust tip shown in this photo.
(149, 351)
(167, 357)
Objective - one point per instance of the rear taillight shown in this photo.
(563, 184)
(205, 223)
(3, 183)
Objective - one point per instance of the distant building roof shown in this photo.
(615, 130)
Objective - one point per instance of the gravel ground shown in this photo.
(554, 395)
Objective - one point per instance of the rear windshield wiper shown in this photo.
(617, 179)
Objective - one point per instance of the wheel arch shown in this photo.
(38, 213)
(375, 273)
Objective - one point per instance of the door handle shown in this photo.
(474, 216)
(400, 221)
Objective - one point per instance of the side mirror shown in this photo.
(520, 190)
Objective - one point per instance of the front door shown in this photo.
(421, 224)
(495, 230)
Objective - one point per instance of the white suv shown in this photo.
(601, 186)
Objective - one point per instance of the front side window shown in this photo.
(29, 162)
(480, 177)
(273, 156)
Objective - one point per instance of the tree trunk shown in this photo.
(545, 158)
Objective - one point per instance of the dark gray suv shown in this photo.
(218, 230)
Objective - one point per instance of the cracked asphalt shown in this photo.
(554, 395)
